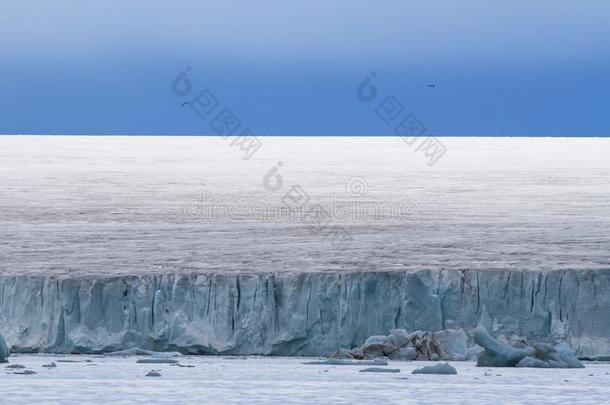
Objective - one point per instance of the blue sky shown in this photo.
(292, 67)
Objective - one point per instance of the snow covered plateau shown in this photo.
(311, 244)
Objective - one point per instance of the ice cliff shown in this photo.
(299, 313)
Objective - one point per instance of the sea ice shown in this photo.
(281, 380)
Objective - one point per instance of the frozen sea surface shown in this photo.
(284, 380)
(116, 205)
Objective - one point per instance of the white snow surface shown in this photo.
(80, 206)
(216, 380)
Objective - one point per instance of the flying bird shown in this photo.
(432, 85)
(185, 103)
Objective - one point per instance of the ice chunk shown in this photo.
(157, 361)
(379, 370)
(532, 362)
(439, 368)
(495, 354)
(472, 354)
(15, 366)
(25, 372)
(405, 353)
(568, 356)
(182, 365)
(373, 346)
(451, 344)
(398, 337)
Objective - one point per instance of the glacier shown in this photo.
(108, 245)
(304, 313)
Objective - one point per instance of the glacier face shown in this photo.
(307, 313)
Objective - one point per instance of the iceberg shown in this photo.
(539, 355)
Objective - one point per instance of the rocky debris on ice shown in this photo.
(153, 373)
(15, 366)
(448, 344)
(539, 355)
(4, 351)
(157, 361)
(50, 365)
(346, 362)
(445, 368)
(379, 370)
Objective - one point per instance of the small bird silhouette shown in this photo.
(185, 103)
(432, 85)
